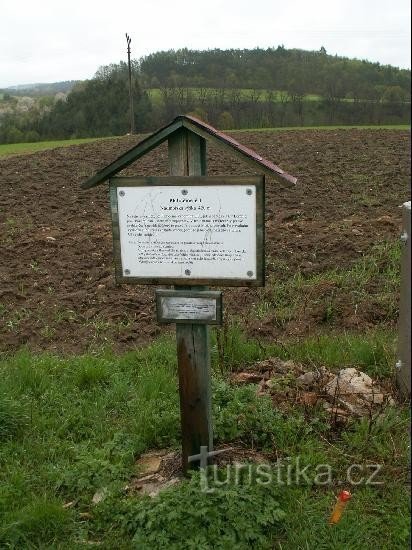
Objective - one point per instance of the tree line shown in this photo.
(228, 88)
(298, 71)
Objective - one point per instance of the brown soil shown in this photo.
(57, 280)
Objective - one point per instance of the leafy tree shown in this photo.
(394, 94)
(226, 121)
(99, 107)
(31, 136)
(13, 135)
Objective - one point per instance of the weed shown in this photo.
(236, 517)
(61, 316)
(230, 348)
(47, 332)
(97, 468)
(27, 379)
(373, 352)
(91, 374)
(40, 523)
(34, 264)
(13, 417)
(374, 279)
(374, 437)
(16, 318)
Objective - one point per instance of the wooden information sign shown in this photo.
(189, 230)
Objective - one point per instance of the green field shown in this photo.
(7, 149)
(155, 94)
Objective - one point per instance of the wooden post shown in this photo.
(403, 364)
(187, 157)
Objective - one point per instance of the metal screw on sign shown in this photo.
(127, 271)
(184, 191)
(122, 193)
(249, 273)
(187, 272)
(205, 454)
(249, 191)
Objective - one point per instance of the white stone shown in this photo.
(354, 389)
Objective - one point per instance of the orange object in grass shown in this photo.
(337, 512)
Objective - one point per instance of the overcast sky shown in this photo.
(50, 41)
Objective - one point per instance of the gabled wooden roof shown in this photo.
(201, 129)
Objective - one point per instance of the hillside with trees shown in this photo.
(40, 90)
(229, 88)
(299, 71)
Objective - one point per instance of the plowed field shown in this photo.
(57, 288)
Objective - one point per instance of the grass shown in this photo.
(73, 426)
(370, 284)
(21, 148)
(359, 528)
(373, 352)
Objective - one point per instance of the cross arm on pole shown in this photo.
(205, 454)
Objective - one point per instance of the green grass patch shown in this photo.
(372, 351)
(13, 417)
(41, 523)
(374, 518)
(371, 285)
(70, 427)
(22, 148)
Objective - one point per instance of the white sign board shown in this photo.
(188, 232)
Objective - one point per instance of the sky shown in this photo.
(50, 41)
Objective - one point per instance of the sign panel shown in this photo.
(186, 306)
(188, 229)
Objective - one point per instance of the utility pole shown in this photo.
(128, 39)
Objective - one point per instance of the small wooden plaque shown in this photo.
(189, 306)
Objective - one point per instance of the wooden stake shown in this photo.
(187, 157)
